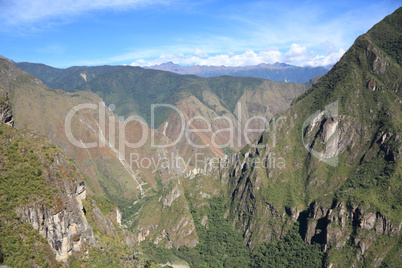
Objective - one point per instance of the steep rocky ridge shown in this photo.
(6, 116)
(340, 145)
(64, 225)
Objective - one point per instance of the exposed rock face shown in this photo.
(109, 226)
(330, 226)
(257, 219)
(58, 213)
(65, 222)
(6, 116)
(379, 64)
(341, 175)
(166, 220)
(118, 216)
(335, 227)
(64, 225)
(371, 85)
(171, 196)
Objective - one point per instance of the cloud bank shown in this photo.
(296, 55)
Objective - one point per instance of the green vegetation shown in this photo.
(22, 246)
(156, 254)
(387, 36)
(113, 251)
(393, 257)
(117, 184)
(375, 183)
(22, 159)
(368, 176)
(66, 79)
(220, 245)
(344, 257)
(104, 204)
(370, 169)
(367, 179)
(128, 211)
(291, 251)
(133, 90)
(228, 151)
(25, 160)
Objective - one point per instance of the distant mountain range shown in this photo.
(280, 72)
(134, 89)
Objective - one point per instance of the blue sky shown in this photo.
(146, 32)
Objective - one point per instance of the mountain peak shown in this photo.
(281, 72)
(7, 59)
(281, 64)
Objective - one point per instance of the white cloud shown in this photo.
(296, 55)
(200, 53)
(249, 57)
(325, 60)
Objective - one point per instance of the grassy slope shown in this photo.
(22, 159)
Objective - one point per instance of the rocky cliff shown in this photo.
(64, 224)
(333, 163)
(6, 116)
(41, 188)
(166, 219)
